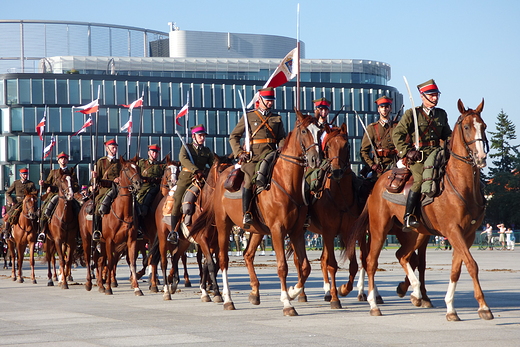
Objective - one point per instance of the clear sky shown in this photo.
(470, 48)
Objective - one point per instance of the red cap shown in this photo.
(111, 142)
(63, 155)
(428, 87)
(384, 100)
(24, 170)
(154, 147)
(267, 93)
(321, 102)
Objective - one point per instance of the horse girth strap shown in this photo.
(264, 123)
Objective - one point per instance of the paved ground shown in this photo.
(34, 314)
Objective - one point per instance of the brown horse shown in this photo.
(120, 224)
(462, 197)
(280, 211)
(24, 233)
(63, 228)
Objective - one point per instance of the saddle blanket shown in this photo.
(400, 198)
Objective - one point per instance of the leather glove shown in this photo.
(198, 175)
(243, 157)
(414, 155)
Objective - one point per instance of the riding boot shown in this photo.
(410, 222)
(96, 235)
(41, 235)
(247, 196)
(173, 236)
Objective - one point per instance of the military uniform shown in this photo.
(20, 189)
(107, 171)
(151, 174)
(381, 135)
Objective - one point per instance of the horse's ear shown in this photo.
(135, 159)
(462, 109)
(167, 159)
(344, 129)
(480, 107)
(121, 159)
(298, 114)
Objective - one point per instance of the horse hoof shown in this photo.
(426, 303)
(401, 292)
(154, 289)
(50, 283)
(88, 287)
(362, 297)
(34, 282)
(254, 299)
(115, 284)
(218, 298)
(344, 290)
(327, 297)
(302, 298)
(375, 312)
(187, 284)
(108, 291)
(101, 289)
(64, 286)
(20, 280)
(452, 317)
(289, 311)
(335, 305)
(379, 300)
(167, 296)
(138, 292)
(485, 314)
(205, 298)
(70, 279)
(415, 301)
(229, 306)
(14, 279)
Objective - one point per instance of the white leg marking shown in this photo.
(414, 282)
(450, 294)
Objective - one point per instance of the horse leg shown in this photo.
(86, 253)
(376, 244)
(361, 286)
(278, 246)
(209, 272)
(331, 267)
(224, 228)
(21, 252)
(403, 254)
(249, 258)
(187, 282)
(61, 258)
(302, 265)
(421, 267)
(109, 254)
(132, 255)
(100, 259)
(31, 261)
(326, 282)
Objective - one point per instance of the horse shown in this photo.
(120, 224)
(24, 233)
(63, 228)
(462, 197)
(280, 211)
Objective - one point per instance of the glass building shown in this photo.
(48, 65)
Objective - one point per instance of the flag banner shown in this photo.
(84, 127)
(184, 110)
(286, 71)
(137, 103)
(88, 108)
(128, 126)
(40, 128)
(47, 150)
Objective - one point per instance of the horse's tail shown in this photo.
(206, 218)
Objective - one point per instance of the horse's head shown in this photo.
(129, 177)
(30, 206)
(171, 173)
(65, 186)
(473, 136)
(306, 131)
(336, 149)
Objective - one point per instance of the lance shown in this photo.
(336, 115)
(396, 118)
(376, 159)
(246, 124)
(185, 147)
(416, 129)
(140, 126)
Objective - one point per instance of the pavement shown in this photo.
(34, 314)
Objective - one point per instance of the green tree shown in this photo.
(506, 154)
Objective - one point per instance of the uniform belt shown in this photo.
(384, 152)
(431, 143)
(186, 169)
(257, 141)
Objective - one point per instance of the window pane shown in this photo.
(16, 119)
(74, 92)
(62, 92)
(50, 92)
(12, 92)
(25, 91)
(109, 93)
(158, 121)
(25, 148)
(66, 120)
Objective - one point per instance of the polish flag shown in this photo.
(40, 128)
(137, 103)
(128, 126)
(47, 150)
(88, 108)
(84, 127)
(184, 110)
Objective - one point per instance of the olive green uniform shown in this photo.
(19, 189)
(151, 174)
(433, 127)
(267, 132)
(380, 134)
(107, 171)
(202, 156)
(52, 181)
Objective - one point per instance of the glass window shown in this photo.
(75, 149)
(12, 92)
(165, 94)
(158, 122)
(62, 92)
(175, 95)
(211, 125)
(53, 120)
(218, 96)
(74, 98)
(102, 125)
(120, 93)
(16, 119)
(197, 96)
(25, 148)
(147, 121)
(154, 94)
(110, 98)
(86, 92)
(12, 148)
(113, 120)
(2, 92)
(50, 91)
(168, 122)
(86, 148)
(207, 95)
(24, 86)
(66, 120)
(29, 120)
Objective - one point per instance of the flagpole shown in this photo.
(43, 146)
(298, 58)
(140, 124)
(187, 114)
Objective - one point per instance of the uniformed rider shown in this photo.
(321, 111)
(19, 187)
(151, 173)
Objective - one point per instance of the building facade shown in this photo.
(92, 60)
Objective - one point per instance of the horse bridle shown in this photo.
(469, 159)
(26, 215)
(133, 183)
(344, 164)
(301, 160)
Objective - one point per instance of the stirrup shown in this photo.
(248, 220)
(410, 223)
(307, 222)
(140, 235)
(96, 235)
(41, 238)
(173, 237)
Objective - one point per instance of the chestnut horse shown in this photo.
(280, 211)
(63, 228)
(24, 233)
(120, 224)
(462, 197)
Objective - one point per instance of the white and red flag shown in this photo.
(128, 126)
(137, 103)
(40, 128)
(184, 111)
(84, 126)
(47, 150)
(88, 108)
(286, 71)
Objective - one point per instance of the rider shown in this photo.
(321, 111)
(50, 185)
(433, 127)
(380, 135)
(151, 173)
(106, 173)
(266, 133)
(193, 164)
(20, 188)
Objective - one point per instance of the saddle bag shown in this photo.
(234, 180)
(397, 179)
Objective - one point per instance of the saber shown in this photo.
(376, 158)
(246, 124)
(185, 146)
(337, 114)
(414, 115)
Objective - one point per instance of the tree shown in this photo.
(506, 154)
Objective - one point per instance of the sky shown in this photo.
(470, 48)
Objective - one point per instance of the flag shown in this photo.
(137, 103)
(128, 126)
(184, 110)
(40, 128)
(88, 108)
(47, 150)
(286, 71)
(84, 127)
